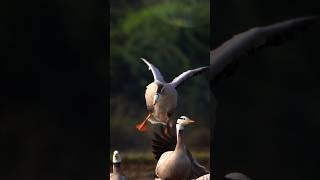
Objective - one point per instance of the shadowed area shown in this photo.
(53, 90)
(266, 119)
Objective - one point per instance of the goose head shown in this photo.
(116, 158)
(182, 122)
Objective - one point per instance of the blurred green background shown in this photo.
(172, 35)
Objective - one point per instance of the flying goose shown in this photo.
(174, 159)
(116, 160)
(161, 97)
(225, 57)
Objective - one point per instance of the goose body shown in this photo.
(162, 97)
(165, 107)
(173, 165)
(116, 176)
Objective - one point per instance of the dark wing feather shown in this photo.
(163, 142)
(197, 169)
(179, 80)
(255, 39)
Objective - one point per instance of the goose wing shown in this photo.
(155, 71)
(255, 39)
(163, 142)
(179, 80)
(197, 169)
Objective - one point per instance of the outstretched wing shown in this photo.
(163, 142)
(179, 80)
(155, 71)
(255, 39)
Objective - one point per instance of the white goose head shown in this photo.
(182, 122)
(116, 157)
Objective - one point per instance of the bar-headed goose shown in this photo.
(174, 159)
(161, 97)
(116, 160)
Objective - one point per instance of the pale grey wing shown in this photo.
(236, 176)
(254, 39)
(179, 80)
(155, 71)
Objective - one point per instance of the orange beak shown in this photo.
(142, 127)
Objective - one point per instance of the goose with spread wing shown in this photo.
(225, 58)
(174, 159)
(116, 160)
(227, 55)
(161, 97)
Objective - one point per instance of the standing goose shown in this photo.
(163, 146)
(116, 160)
(174, 159)
(161, 97)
